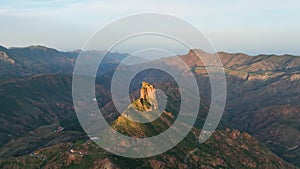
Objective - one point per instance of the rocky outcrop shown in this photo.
(147, 101)
(4, 57)
(295, 77)
(105, 163)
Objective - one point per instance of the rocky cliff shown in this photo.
(147, 101)
(5, 58)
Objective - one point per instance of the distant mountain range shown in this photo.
(42, 60)
(262, 100)
(34, 60)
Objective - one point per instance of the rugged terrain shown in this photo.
(263, 94)
(262, 100)
(225, 149)
(34, 60)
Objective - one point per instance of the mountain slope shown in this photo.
(256, 87)
(34, 60)
(225, 149)
(262, 97)
(263, 100)
(31, 108)
(34, 107)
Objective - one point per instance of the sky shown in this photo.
(248, 26)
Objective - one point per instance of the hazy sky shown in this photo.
(250, 26)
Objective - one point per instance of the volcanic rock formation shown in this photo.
(147, 101)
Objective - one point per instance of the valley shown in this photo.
(263, 94)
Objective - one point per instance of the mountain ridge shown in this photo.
(270, 83)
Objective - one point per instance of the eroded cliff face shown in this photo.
(145, 108)
(6, 58)
(147, 101)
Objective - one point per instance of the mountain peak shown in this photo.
(195, 52)
(39, 47)
(142, 118)
(147, 101)
(35, 48)
(144, 109)
(3, 48)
